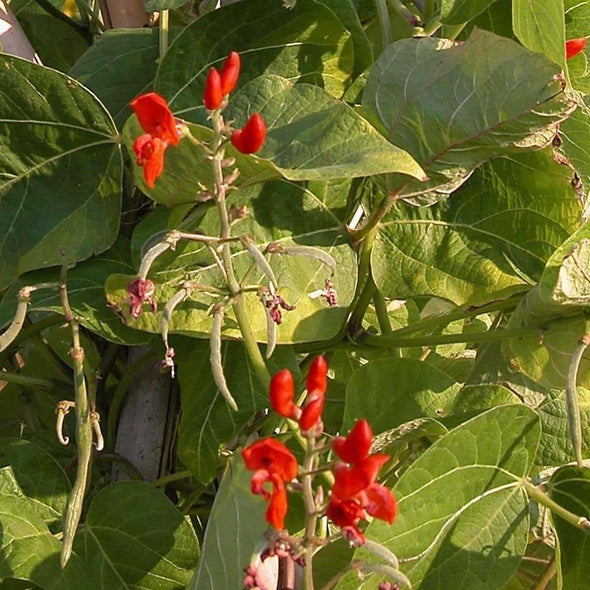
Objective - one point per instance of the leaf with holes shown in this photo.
(60, 170)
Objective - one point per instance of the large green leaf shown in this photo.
(539, 24)
(455, 12)
(463, 515)
(555, 447)
(570, 487)
(389, 392)
(311, 136)
(119, 66)
(310, 43)
(86, 295)
(28, 551)
(41, 478)
(454, 106)
(234, 528)
(563, 290)
(134, 537)
(207, 422)
(486, 241)
(279, 212)
(60, 170)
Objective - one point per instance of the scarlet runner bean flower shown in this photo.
(159, 124)
(273, 463)
(213, 96)
(574, 46)
(250, 138)
(141, 291)
(230, 72)
(282, 392)
(221, 84)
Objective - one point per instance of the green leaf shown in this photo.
(207, 422)
(60, 168)
(28, 551)
(85, 292)
(58, 44)
(463, 515)
(486, 241)
(555, 447)
(456, 12)
(41, 478)
(157, 5)
(134, 537)
(235, 527)
(310, 44)
(311, 136)
(389, 392)
(279, 212)
(570, 487)
(540, 26)
(563, 291)
(129, 56)
(455, 106)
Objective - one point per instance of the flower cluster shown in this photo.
(355, 492)
(159, 124)
(282, 394)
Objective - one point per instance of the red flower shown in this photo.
(155, 117)
(317, 383)
(346, 514)
(230, 72)
(150, 154)
(250, 139)
(141, 291)
(213, 96)
(282, 392)
(574, 46)
(379, 502)
(273, 463)
(356, 446)
(312, 412)
(157, 120)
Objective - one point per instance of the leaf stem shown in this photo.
(73, 509)
(547, 575)
(384, 24)
(571, 397)
(580, 522)
(309, 467)
(166, 479)
(164, 32)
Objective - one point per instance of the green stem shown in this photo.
(380, 212)
(238, 304)
(547, 575)
(382, 314)
(124, 463)
(384, 24)
(73, 509)
(580, 522)
(310, 510)
(164, 32)
(571, 396)
(166, 479)
(53, 11)
(367, 339)
(27, 380)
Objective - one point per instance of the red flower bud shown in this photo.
(250, 139)
(356, 446)
(312, 412)
(213, 95)
(317, 377)
(230, 72)
(282, 392)
(574, 46)
(155, 117)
